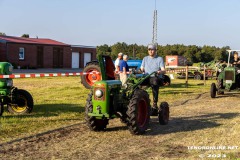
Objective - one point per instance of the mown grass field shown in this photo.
(196, 120)
(58, 101)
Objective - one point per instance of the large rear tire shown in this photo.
(89, 79)
(138, 113)
(163, 115)
(213, 90)
(93, 123)
(23, 103)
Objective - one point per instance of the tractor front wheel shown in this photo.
(220, 86)
(92, 122)
(138, 113)
(213, 90)
(23, 103)
(163, 114)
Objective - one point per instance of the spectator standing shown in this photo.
(116, 64)
(124, 69)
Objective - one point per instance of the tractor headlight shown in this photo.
(9, 83)
(98, 93)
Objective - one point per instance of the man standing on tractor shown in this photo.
(116, 64)
(153, 63)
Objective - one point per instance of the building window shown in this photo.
(21, 53)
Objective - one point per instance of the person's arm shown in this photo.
(142, 65)
(162, 71)
(162, 67)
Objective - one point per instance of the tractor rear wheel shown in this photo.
(89, 79)
(23, 103)
(213, 90)
(1, 109)
(138, 113)
(163, 115)
(93, 123)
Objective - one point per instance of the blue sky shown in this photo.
(97, 22)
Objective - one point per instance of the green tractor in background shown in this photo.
(110, 99)
(18, 101)
(228, 76)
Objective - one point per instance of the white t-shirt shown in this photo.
(116, 63)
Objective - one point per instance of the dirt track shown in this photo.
(77, 142)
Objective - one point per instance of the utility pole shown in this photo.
(154, 38)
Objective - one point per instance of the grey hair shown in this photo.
(125, 56)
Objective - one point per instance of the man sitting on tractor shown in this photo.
(235, 60)
(150, 64)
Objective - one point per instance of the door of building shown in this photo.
(40, 57)
(57, 57)
(87, 58)
(75, 60)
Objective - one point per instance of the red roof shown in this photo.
(31, 40)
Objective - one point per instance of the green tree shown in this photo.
(2, 34)
(104, 49)
(25, 35)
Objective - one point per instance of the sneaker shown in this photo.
(154, 110)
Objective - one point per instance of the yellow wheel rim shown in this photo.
(22, 107)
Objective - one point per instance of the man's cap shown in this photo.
(120, 54)
(152, 46)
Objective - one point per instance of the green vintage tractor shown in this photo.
(228, 76)
(18, 101)
(110, 99)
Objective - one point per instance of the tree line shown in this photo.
(193, 53)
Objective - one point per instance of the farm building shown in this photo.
(44, 53)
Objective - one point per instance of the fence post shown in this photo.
(186, 83)
(204, 74)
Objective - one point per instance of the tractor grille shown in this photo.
(229, 75)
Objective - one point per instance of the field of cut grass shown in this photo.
(60, 101)
(196, 120)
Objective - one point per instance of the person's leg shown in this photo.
(155, 89)
(123, 78)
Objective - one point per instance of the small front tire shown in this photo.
(213, 90)
(23, 103)
(163, 115)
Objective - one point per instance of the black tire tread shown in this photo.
(132, 112)
(29, 99)
(164, 109)
(93, 123)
